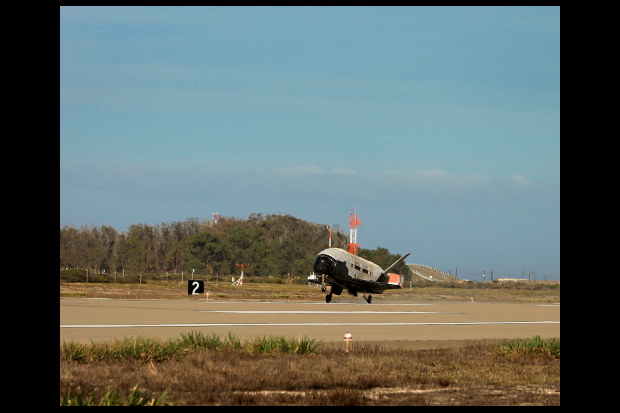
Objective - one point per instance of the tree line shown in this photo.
(270, 245)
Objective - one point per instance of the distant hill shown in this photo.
(424, 273)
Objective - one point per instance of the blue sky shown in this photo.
(439, 125)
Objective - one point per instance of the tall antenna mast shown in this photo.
(354, 223)
(330, 236)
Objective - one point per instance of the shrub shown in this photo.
(111, 397)
(532, 346)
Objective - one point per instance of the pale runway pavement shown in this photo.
(85, 320)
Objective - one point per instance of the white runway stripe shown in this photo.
(304, 324)
(320, 312)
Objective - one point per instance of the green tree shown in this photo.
(275, 245)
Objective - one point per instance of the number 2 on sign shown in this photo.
(195, 287)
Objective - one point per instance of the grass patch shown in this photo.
(78, 294)
(129, 348)
(529, 346)
(111, 397)
(285, 345)
(152, 349)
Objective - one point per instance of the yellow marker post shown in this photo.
(347, 339)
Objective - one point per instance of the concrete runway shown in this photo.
(85, 320)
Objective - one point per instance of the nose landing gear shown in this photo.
(337, 290)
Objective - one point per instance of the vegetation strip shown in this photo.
(205, 369)
(279, 246)
(153, 349)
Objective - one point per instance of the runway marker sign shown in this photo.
(195, 287)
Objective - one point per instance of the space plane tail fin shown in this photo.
(396, 263)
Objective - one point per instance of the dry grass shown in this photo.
(423, 291)
(370, 374)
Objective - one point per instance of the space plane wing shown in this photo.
(363, 285)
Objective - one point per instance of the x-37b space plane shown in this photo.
(340, 270)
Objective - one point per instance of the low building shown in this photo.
(511, 280)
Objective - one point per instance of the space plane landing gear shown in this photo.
(328, 297)
(368, 298)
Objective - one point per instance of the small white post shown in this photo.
(347, 339)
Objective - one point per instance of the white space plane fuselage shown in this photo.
(340, 270)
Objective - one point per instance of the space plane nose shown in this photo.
(322, 265)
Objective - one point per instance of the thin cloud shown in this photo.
(284, 182)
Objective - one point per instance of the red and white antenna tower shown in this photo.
(354, 222)
(330, 236)
(240, 280)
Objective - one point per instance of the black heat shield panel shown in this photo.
(372, 287)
